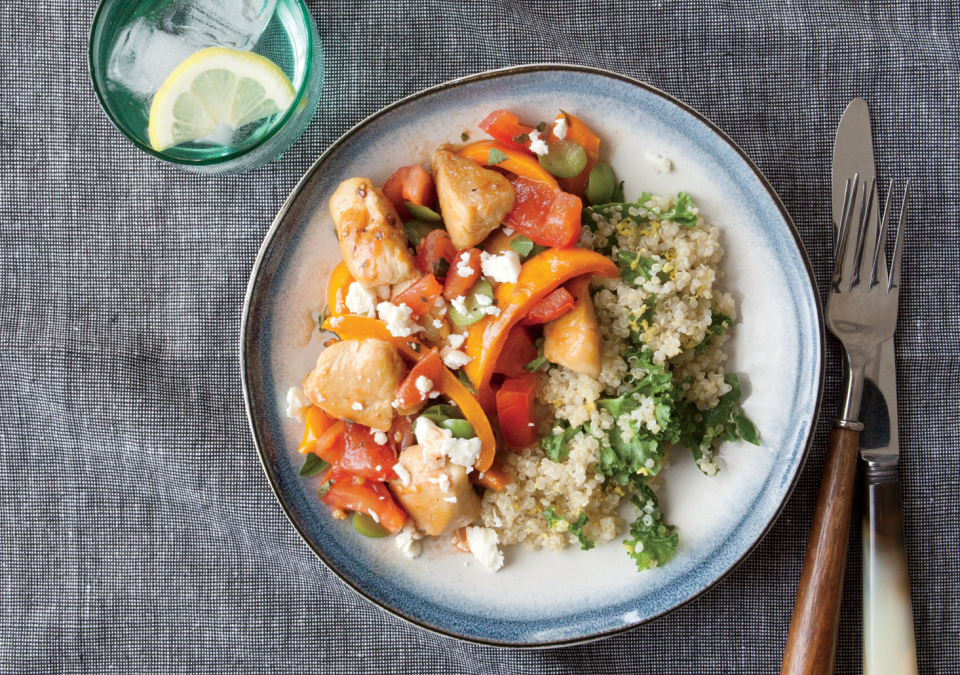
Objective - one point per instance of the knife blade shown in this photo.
(889, 642)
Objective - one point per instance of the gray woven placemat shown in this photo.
(137, 531)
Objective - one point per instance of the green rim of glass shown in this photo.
(215, 160)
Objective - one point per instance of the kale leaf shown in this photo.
(563, 525)
(718, 325)
(652, 542)
(555, 445)
(633, 267)
(682, 211)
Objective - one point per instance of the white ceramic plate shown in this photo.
(543, 598)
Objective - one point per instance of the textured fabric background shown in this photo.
(137, 531)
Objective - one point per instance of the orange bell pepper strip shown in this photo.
(520, 163)
(474, 415)
(539, 276)
(337, 288)
(353, 327)
(317, 422)
(579, 132)
(494, 478)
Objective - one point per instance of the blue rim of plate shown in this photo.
(258, 270)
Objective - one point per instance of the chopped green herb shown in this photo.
(313, 465)
(541, 127)
(324, 488)
(553, 520)
(495, 157)
(441, 268)
(561, 524)
(525, 248)
(633, 267)
(464, 137)
(521, 138)
(534, 365)
(720, 323)
(555, 445)
(465, 381)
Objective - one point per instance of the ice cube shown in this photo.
(144, 56)
(227, 23)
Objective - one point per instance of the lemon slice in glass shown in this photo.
(213, 86)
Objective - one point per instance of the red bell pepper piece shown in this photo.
(515, 409)
(517, 352)
(363, 456)
(456, 284)
(419, 296)
(410, 184)
(552, 307)
(436, 247)
(348, 492)
(545, 214)
(428, 366)
(505, 126)
(494, 478)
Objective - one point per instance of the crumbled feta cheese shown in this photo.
(437, 323)
(380, 438)
(560, 128)
(492, 311)
(504, 268)
(402, 474)
(362, 300)
(456, 340)
(452, 500)
(378, 468)
(660, 164)
(464, 268)
(336, 321)
(438, 443)
(483, 544)
(444, 483)
(458, 304)
(424, 385)
(484, 300)
(434, 394)
(454, 359)
(407, 541)
(297, 403)
(374, 515)
(508, 231)
(397, 318)
(383, 292)
(357, 405)
(536, 144)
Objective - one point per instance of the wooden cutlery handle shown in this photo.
(812, 640)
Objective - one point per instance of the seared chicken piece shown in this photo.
(371, 235)
(438, 500)
(357, 380)
(574, 339)
(473, 200)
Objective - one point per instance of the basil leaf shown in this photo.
(313, 465)
(495, 157)
(424, 213)
(465, 381)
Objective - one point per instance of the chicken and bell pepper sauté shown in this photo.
(515, 348)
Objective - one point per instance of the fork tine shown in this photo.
(854, 220)
(866, 237)
(894, 281)
(849, 199)
(882, 244)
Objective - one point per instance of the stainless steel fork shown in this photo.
(862, 312)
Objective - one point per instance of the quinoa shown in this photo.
(683, 296)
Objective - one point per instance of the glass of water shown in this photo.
(214, 86)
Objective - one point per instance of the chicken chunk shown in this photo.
(473, 200)
(371, 235)
(357, 380)
(574, 340)
(439, 500)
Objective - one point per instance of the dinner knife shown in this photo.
(888, 639)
